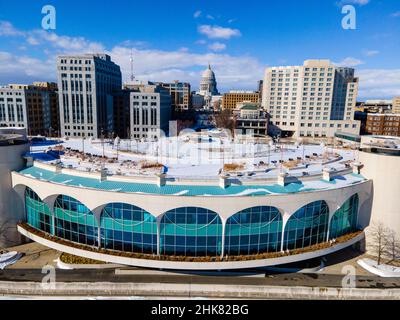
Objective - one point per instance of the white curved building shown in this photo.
(380, 157)
(229, 222)
(12, 147)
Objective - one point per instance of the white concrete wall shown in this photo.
(384, 170)
(11, 206)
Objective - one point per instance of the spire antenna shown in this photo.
(131, 60)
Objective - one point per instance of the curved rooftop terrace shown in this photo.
(162, 185)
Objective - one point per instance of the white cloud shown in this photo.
(210, 17)
(7, 29)
(349, 62)
(63, 44)
(379, 83)
(217, 46)
(396, 14)
(197, 14)
(371, 53)
(358, 2)
(32, 41)
(25, 69)
(201, 42)
(217, 32)
(160, 65)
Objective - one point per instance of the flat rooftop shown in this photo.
(196, 156)
(193, 164)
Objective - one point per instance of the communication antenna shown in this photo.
(131, 60)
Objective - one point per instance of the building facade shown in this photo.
(375, 106)
(396, 105)
(121, 113)
(231, 99)
(33, 107)
(250, 119)
(313, 100)
(150, 112)
(86, 84)
(383, 124)
(180, 95)
(213, 230)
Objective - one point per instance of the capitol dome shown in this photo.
(208, 74)
(208, 83)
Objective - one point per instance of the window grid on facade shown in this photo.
(38, 214)
(253, 231)
(74, 221)
(191, 231)
(307, 226)
(344, 221)
(128, 228)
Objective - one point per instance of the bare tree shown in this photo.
(225, 120)
(393, 245)
(379, 239)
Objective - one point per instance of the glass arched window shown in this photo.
(254, 230)
(191, 231)
(74, 221)
(344, 220)
(38, 214)
(128, 228)
(307, 226)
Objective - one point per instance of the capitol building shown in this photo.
(208, 87)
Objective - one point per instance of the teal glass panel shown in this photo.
(307, 226)
(253, 231)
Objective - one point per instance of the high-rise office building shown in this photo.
(231, 99)
(33, 107)
(150, 112)
(86, 83)
(313, 100)
(180, 95)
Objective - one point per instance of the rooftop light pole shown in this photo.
(83, 144)
(102, 140)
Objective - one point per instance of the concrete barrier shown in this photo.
(190, 290)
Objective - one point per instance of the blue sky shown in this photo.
(176, 39)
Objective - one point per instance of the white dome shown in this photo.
(208, 73)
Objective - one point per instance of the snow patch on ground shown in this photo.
(383, 270)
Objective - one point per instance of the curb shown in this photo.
(190, 290)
